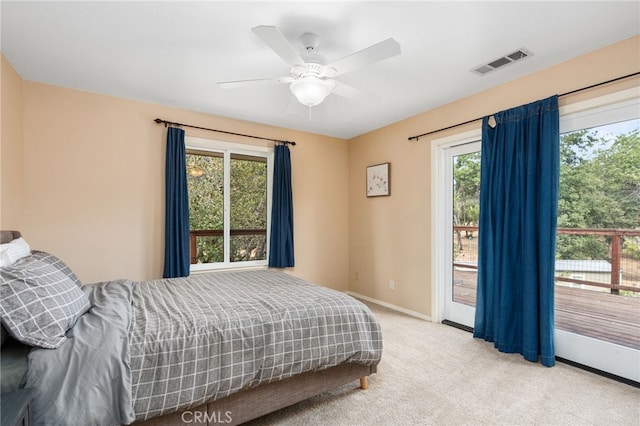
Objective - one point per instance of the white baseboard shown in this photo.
(390, 306)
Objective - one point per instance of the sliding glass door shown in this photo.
(597, 287)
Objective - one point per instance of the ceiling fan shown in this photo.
(310, 79)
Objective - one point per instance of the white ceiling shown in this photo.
(174, 53)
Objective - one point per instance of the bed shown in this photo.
(223, 347)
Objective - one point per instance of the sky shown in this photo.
(623, 127)
(609, 132)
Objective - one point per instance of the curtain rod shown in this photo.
(171, 123)
(564, 94)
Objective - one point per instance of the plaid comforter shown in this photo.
(205, 337)
(155, 347)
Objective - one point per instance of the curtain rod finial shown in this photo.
(159, 120)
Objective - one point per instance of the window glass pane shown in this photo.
(599, 178)
(205, 181)
(248, 214)
(466, 213)
(598, 245)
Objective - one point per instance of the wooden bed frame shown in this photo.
(258, 401)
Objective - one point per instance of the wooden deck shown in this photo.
(604, 316)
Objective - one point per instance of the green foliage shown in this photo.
(466, 193)
(248, 208)
(206, 191)
(206, 203)
(466, 189)
(631, 247)
(599, 188)
(583, 247)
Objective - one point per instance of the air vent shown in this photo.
(501, 62)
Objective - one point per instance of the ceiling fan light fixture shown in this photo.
(311, 91)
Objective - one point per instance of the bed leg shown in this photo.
(364, 383)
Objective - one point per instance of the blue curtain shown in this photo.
(176, 248)
(281, 240)
(518, 212)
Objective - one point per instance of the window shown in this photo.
(229, 203)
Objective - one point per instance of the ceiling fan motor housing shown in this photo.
(310, 41)
(310, 86)
(310, 69)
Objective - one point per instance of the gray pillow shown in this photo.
(56, 262)
(39, 303)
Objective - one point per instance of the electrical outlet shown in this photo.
(392, 285)
(357, 276)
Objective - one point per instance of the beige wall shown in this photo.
(11, 149)
(94, 185)
(389, 237)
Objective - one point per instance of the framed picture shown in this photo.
(378, 180)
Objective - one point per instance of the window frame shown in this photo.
(227, 149)
(600, 111)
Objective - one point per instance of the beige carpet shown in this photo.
(433, 374)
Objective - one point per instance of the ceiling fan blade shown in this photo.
(256, 82)
(273, 38)
(350, 92)
(377, 52)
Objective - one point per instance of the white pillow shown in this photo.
(10, 252)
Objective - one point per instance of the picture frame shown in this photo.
(378, 182)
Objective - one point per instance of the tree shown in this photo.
(622, 179)
(466, 192)
(599, 188)
(248, 208)
(206, 203)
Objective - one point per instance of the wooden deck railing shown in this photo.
(616, 255)
(194, 234)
